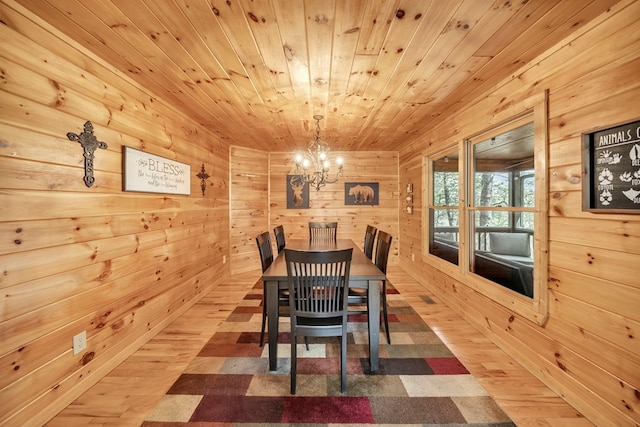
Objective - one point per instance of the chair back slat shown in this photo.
(369, 240)
(323, 231)
(266, 252)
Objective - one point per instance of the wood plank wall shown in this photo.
(253, 212)
(328, 204)
(115, 264)
(259, 201)
(588, 351)
(121, 265)
(249, 209)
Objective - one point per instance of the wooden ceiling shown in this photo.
(255, 72)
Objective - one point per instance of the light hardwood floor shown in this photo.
(130, 391)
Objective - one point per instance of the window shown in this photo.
(486, 214)
(503, 206)
(444, 200)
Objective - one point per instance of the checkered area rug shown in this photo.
(419, 381)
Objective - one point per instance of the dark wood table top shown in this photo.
(362, 268)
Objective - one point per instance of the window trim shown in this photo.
(440, 263)
(534, 309)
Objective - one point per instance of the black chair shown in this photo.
(383, 247)
(280, 240)
(369, 240)
(358, 297)
(318, 292)
(266, 257)
(323, 231)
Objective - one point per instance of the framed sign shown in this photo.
(611, 169)
(361, 193)
(149, 173)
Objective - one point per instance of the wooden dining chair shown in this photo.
(369, 240)
(358, 296)
(266, 258)
(318, 292)
(278, 232)
(323, 231)
(383, 247)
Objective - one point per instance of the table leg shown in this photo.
(272, 323)
(373, 319)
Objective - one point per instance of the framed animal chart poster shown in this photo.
(611, 169)
(361, 193)
(297, 193)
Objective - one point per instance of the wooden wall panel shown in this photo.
(328, 204)
(587, 350)
(116, 264)
(249, 208)
(122, 265)
(259, 201)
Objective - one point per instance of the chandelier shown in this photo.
(312, 165)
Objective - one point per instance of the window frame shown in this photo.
(431, 205)
(534, 309)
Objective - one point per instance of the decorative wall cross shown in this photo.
(203, 179)
(89, 143)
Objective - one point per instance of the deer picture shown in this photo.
(297, 185)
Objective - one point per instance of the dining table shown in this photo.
(363, 274)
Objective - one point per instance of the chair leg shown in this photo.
(343, 361)
(294, 357)
(385, 314)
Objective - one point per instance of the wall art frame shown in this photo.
(611, 169)
(297, 192)
(149, 173)
(361, 193)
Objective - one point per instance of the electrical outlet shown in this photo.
(413, 257)
(224, 259)
(79, 342)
